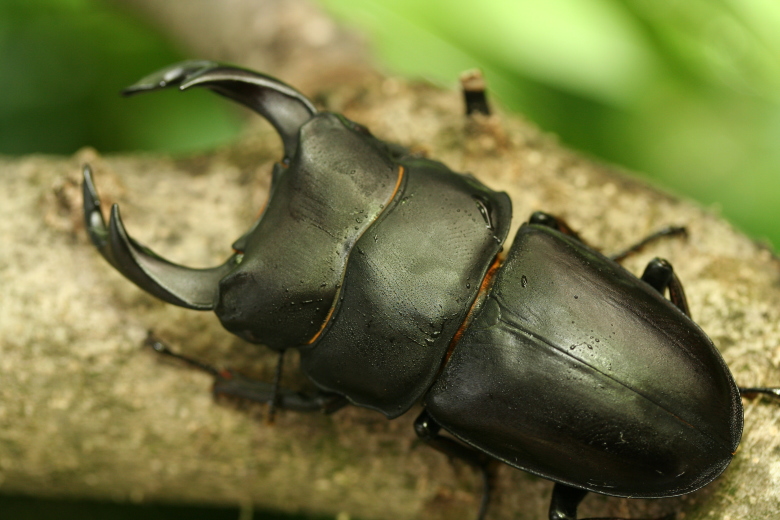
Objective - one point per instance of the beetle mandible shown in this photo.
(553, 359)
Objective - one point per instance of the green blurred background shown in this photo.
(685, 92)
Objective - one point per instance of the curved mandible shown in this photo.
(176, 284)
(283, 106)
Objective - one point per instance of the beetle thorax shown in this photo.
(294, 259)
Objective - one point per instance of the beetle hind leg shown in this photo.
(427, 429)
(660, 275)
(565, 500)
(669, 231)
(754, 392)
(540, 218)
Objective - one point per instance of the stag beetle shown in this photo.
(384, 270)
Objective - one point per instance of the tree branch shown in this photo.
(85, 410)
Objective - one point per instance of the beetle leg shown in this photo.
(565, 500)
(557, 223)
(660, 275)
(668, 231)
(229, 383)
(753, 392)
(273, 402)
(427, 429)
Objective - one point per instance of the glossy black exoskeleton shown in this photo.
(384, 271)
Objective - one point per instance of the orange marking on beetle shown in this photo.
(324, 323)
(336, 299)
(484, 287)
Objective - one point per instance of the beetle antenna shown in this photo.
(161, 348)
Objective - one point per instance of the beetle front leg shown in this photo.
(235, 385)
(427, 429)
(229, 383)
(754, 392)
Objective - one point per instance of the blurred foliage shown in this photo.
(687, 92)
(63, 63)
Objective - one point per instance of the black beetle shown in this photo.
(385, 271)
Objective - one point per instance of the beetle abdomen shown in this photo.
(409, 282)
(584, 376)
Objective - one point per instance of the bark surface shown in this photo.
(86, 411)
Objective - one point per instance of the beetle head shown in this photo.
(284, 107)
(294, 256)
(333, 182)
